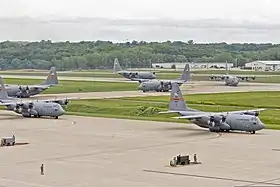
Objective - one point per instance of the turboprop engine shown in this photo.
(62, 101)
(23, 92)
(165, 86)
(28, 110)
(218, 123)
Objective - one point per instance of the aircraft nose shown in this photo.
(262, 126)
(62, 111)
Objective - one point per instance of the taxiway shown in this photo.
(84, 151)
(194, 88)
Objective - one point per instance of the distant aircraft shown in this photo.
(25, 91)
(34, 108)
(244, 120)
(132, 75)
(165, 85)
(231, 80)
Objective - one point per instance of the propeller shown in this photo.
(30, 106)
(66, 101)
(212, 119)
(223, 118)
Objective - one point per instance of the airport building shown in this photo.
(264, 65)
(193, 65)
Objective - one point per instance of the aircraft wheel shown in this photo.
(252, 132)
(144, 91)
(56, 117)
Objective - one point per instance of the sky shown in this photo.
(201, 20)
(254, 10)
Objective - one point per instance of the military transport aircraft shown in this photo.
(132, 75)
(165, 85)
(231, 80)
(244, 120)
(36, 108)
(26, 91)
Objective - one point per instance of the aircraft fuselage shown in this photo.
(235, 122)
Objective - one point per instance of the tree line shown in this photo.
(101, 54)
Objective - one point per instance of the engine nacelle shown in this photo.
(29, 113)
(25, 105)
(217, 123)
(62, 101)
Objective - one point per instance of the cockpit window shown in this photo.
(254, 123)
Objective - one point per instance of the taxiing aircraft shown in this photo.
(132, 75)
(25, 91)
(165, 85)
(36, 108)
(244, 120)
(231, 80)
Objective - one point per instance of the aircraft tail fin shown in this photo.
(177, 102)
(117, 66)
(52, 77)
(186, 75)
(3, 91)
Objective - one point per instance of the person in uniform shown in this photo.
(175, 161)
(42, 169)
(195, 158)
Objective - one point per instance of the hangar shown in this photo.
(264, 65)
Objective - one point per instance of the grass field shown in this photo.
(264, 77)
(139, 108)
(77, 86)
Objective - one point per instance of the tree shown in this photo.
(190, 42)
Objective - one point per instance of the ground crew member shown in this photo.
(42, 169)
(175, 161)
(179, 159)
(195, 158)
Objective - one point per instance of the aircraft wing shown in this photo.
(13, 103)
(42, 86)
(246, 78)
(169, 112)
(217, 77)
(205, 114)
(60, 100)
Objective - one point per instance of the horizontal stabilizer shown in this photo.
(169, 112)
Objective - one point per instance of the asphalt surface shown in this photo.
(194, 88)
(84, 151)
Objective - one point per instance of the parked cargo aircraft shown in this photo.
(38, 108)
(244, 120)
(132, 75)
(25, 91)
(165, 85)
(231, 80)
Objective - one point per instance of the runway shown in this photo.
(84, 151)
(195, 88)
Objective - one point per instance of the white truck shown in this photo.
(7, 141)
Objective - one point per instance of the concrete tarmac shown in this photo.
(195, 88)
(84, 151)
